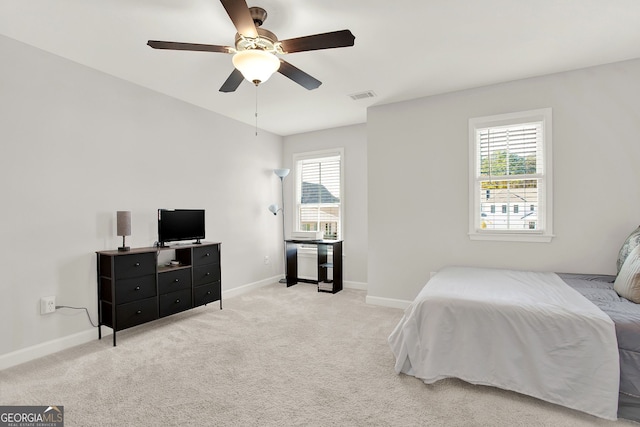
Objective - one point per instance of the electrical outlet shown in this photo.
(47, 305)
(267, 260)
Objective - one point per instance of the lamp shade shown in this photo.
(256, 65)
(281, 172)
(273, 209)
(123, 220)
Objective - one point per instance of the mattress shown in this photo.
(626, 317)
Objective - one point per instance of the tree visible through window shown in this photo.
(318, 193)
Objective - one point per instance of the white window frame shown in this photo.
(310, 155)
(545, 214)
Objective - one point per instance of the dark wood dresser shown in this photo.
(133, 289)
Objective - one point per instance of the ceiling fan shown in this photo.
(256, 48)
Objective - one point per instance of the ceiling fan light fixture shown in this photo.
(256, 65)
(257, 50)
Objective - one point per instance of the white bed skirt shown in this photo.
(522, 331)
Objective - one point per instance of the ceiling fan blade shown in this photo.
(239, 13)
(298, 76)
(343, 38)
(157, 44)
(232, 82)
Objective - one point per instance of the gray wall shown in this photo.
(78, 145)
(418, 178)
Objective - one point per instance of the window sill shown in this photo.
(512, 237)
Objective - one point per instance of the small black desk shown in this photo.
(323, 265)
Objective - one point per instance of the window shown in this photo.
(319, 192)
(510, 165)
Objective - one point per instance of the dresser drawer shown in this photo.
(136, 288)
(174, 280)
(136, 313)
(175, 302)
(206, 274)
(206, 255)
(206, 293)
(135, 265)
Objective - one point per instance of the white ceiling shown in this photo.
(403, 49)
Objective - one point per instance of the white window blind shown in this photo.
(510, 175)
(319, 194)
(510, 160)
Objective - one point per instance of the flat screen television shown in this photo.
(180, 224)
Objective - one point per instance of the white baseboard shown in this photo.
(388, 302)
(46, 348)
(248, 287)
(355, 285)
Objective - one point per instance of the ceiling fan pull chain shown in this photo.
(256, 110)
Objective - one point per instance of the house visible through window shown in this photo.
(510, 157)
(319, 193)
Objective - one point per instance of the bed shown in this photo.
(568, 339)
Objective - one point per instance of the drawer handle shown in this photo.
(208, 292)
(176, 280)
(139, 312)
(207, 254)
(177, 301)
(137, 264)
(137, 288)
(208, 274)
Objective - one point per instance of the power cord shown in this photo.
(78, 308)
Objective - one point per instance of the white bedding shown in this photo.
(522, 331)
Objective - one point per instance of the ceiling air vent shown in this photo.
(363, 95)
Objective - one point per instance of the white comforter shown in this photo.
(522, 331)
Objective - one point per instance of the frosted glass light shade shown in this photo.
(256, 65)
(273, 209)
(281, 172)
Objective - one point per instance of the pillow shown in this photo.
(627, 284)
(632, 241)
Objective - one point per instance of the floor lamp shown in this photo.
(281, 173)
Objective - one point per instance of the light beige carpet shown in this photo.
(275, 356)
